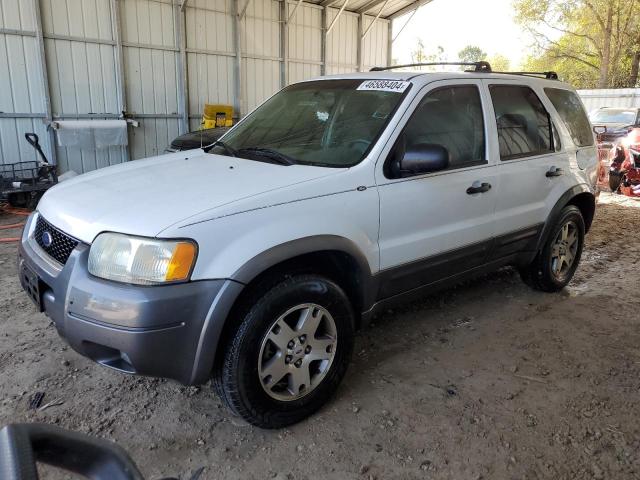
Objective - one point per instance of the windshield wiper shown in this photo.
(275, 155)
(232, 152)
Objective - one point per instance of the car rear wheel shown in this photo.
(555, 264)
(289, 353)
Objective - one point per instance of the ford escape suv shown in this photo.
(254, 260)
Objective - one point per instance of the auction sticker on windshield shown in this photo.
(384, 85)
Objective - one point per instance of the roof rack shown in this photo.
(482, 66)
(478, 66)
(550, 75)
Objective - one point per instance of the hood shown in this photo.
(144, 197)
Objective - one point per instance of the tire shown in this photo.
(260, 345)
(614, 181)
(543, 273)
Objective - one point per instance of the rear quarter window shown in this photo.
(571, 111)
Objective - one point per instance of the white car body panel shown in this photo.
(147, 196)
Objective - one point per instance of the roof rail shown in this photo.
(478, 66)
(482, 66)
(550, 75)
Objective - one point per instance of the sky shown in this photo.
(454, 24)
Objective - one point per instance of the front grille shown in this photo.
(61, 245)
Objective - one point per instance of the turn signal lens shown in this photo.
(181, 262)
(141, 261)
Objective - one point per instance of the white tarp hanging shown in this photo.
(91, 134)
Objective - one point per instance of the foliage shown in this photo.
(590, 43)
(420, 55)
(499, 63)
(471, 53)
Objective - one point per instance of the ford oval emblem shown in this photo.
(47, 239)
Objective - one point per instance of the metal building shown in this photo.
(160, 61)
(610, 97)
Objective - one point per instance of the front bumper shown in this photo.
(166, 331)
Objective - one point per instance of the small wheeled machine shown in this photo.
(22, 184)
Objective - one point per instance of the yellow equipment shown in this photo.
(217, 116)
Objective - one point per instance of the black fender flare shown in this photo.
(294, 248)
(562, 202)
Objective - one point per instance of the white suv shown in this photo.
(254, 260)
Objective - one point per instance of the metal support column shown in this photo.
(121, 92)
(45, 79)
(360, 49)
(323, 42)
(284, 44)
(183, 86)
(237, 64)
(390, 44)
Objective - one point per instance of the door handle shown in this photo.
(554, 172)
(478, 187)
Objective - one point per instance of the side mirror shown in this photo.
(424, 158)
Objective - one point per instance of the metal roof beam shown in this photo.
(369, 5)
(335, 19)
(327, 3)
(408, 9)
(293, 12)
(375, 19)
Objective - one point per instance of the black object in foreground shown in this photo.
(24, 445)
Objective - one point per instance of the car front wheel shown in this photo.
(289, 352)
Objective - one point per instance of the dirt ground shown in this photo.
(489, 380)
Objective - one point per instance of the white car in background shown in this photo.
(253, 261)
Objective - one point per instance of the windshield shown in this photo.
(626, 117)
(329, 123)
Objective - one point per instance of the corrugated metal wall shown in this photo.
(151, 74)
(159, 64)
(610, 97)
(342, 43)
(210, 47)
(305, 42)
(22, 105)
(260, 44)
(80, 59)
(374, 48)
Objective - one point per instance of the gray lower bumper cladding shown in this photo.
(166, 331)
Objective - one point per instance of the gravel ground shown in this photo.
(488, 380)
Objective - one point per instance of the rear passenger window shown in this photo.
(570, 109)
(524, 126)
(451, 117)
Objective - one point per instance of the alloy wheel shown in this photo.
(297, 352)
(564, 250)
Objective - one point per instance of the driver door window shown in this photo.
(451, 117)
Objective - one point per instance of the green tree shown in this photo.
(471, 53)
(499, 63)
(594, 41)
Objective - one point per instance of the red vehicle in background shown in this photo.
(618, 135)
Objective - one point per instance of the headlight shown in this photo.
(142, 261)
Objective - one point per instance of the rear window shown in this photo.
(570, 109)
(524, 126)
